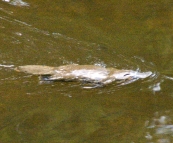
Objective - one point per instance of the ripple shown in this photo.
(6, 66)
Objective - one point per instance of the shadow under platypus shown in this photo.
(94, 74)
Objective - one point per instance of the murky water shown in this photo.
(120, 34)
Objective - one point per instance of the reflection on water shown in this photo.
(156, 87)
(16, 2)
(160, 128)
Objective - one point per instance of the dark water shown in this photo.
(135, 35)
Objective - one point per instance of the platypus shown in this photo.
(87, 73)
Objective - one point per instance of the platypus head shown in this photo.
(131, 75)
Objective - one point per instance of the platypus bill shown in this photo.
(97, 75)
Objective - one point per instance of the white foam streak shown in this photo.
(6, 66)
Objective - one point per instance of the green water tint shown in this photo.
(135, 35)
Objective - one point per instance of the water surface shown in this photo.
(125, 34)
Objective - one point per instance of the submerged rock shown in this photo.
(88, 73)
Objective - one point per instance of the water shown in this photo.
(120, 34)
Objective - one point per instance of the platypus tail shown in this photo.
(36, 69)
